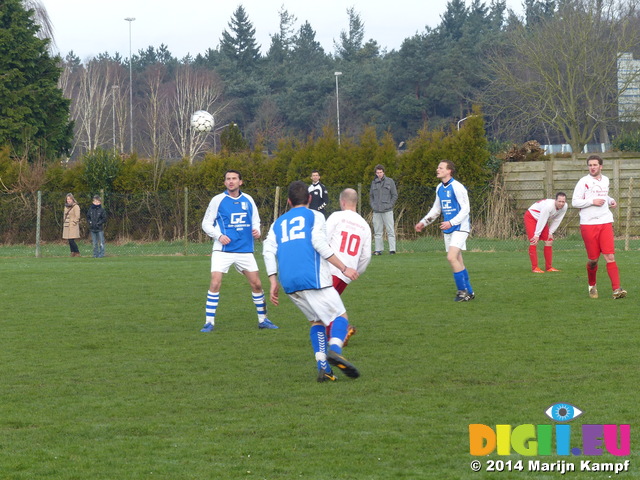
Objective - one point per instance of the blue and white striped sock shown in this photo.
(211, 307)
(261, 305)
(319, 344)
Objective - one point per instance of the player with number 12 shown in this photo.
(297, 251)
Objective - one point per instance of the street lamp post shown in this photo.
(130, 20)
(337, 74)
(215, 131)
(113, 113)
(463, 119)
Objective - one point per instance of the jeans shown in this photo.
(97, 238)
(380, 220)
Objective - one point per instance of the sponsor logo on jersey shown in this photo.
(238, 218)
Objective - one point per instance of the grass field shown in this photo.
(105, 374)
(426, 243)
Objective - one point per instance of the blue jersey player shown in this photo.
(233, 222)
(297, 250)
(452, 201)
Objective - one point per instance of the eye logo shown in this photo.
(562, 412)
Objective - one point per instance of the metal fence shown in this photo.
(169, 222)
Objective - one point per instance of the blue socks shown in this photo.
(466, 281)
(462, 280)
(319, 344)
(338, 333)
(458, 277)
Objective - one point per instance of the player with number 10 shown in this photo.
(350, 238)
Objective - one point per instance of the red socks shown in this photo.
(614, 275)
(591, 273)
(548, 257)
(533, 256)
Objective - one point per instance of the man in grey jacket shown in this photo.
(383, 196)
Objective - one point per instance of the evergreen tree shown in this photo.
(537, 10)
(240, 47)
(453, 19)
(34, 115)
(351, 41)
(211, 59)
(232, 140)
(72, 61)
(306, 49)
(310, 83)
(282, 41)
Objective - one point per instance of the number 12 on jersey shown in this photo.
(292, 229)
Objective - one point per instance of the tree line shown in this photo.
(550, 75)
(139, 184)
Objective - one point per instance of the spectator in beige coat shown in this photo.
(71, 224)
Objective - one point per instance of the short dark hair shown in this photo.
(233, 171)
(595, 157)
(379, 167)
(561, 194)
(97, 197)
(450, 166)
(298, 193)
(315, 171)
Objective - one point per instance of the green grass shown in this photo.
(105, 374)
(423, 244)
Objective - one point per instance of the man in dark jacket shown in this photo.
(319, 194)
(383, 196)
(97, 217)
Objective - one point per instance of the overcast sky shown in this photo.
(90, 27)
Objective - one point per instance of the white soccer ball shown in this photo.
(202, 121)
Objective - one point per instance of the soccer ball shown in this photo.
(202, 121)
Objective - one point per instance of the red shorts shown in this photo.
(598, 239)
(530, 224)
(339, 284)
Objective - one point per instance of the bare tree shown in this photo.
(155, 113)
(41, 17)
(194, 89)
(560, 73)
(92, 102)
(268, 126)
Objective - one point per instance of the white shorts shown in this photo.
(322, 305)
(221, 261)
(455, 239)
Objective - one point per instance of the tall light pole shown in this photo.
(130, 20)
(113, 113)
(463, 119)
(337, 74)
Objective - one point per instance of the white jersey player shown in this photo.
(541, 221)
(350, 238)
(591, 196)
